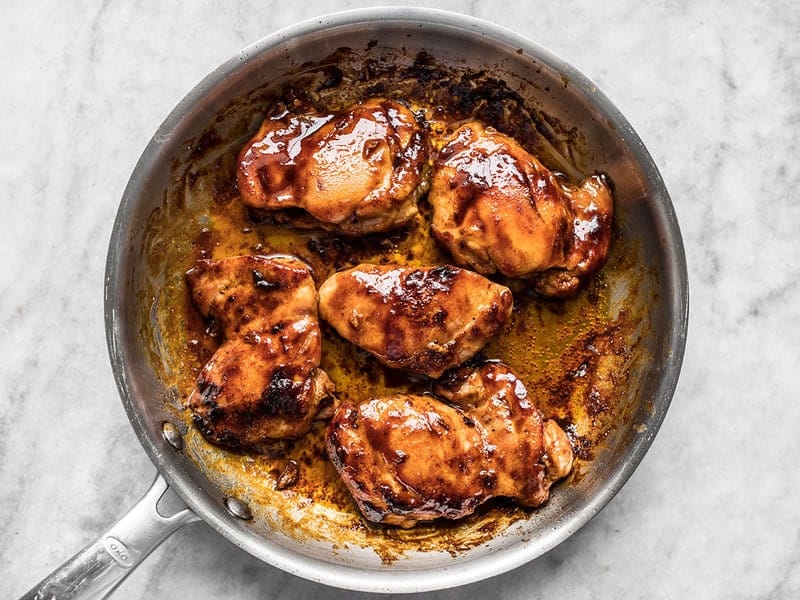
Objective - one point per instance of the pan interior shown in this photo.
(181, 203)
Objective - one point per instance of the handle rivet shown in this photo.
(238, 508)
(172, 435)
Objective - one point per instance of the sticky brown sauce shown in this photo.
(572, 354)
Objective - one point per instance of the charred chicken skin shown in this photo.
(410, 458)
(421, 319)
(355, 172)
(263, 382)
(497, 208)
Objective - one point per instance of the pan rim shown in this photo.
(398, 580)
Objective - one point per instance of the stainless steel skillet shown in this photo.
(658, 291)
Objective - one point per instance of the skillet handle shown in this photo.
(100, 567)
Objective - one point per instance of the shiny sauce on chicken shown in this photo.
(571, 353)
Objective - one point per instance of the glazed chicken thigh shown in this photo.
(421, 319)
(409, 458)
(263, 382)
(497, 399)
(355, 172)
(497, 208)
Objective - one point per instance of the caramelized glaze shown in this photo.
(496, 208)
(408, 458)
(356, 171)
(263, 382)
(423, 320)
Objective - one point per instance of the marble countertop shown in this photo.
(712, 89)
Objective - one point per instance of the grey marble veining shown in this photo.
(712, 88)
